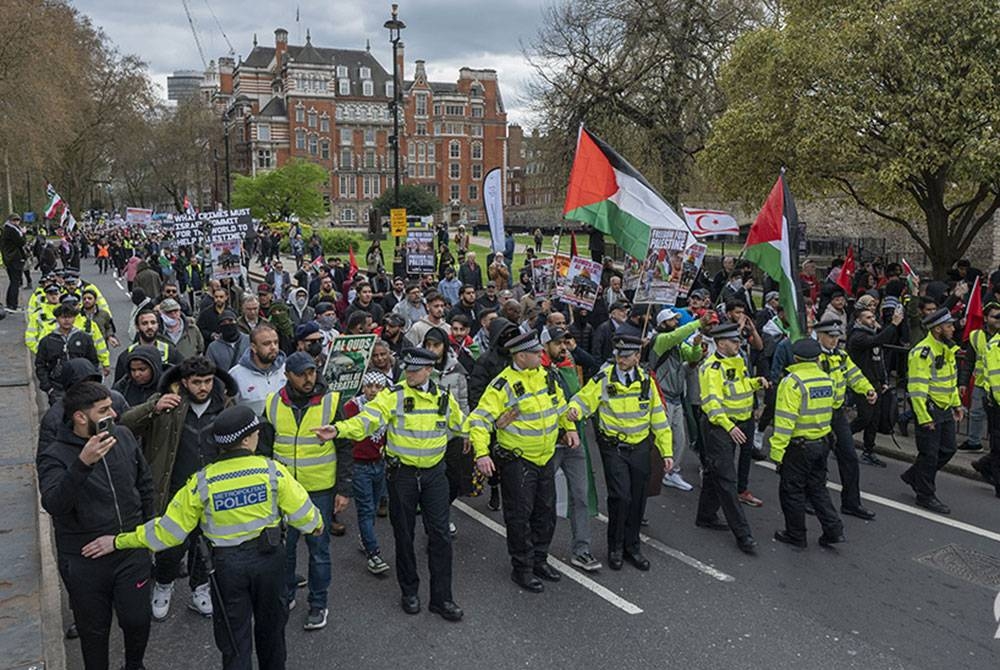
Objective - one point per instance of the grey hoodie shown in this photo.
(256, 384)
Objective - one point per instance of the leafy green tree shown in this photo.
(892, 102)
(293, 188)
(417, 200)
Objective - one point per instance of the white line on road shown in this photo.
(680, 556)
(915, 511)
(118, 282)
(585, 582)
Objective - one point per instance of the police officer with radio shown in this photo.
(238, 502)
(630, 416)
(526, 406)
(419, 416)
(801, 444)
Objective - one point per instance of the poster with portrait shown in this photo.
(670, 268)
(226, 256)
(583, 281)
(346, 363)
(694, 255)
(560, 271)
(542, 276)
(419, 252)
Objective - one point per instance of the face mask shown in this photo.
(326, 322)
(300, 302)
(230, 332)
(315, 348)
(169, 322)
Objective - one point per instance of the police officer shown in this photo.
(801, 444)
(988, 359)
(419, 416)
(238, 501)
(323, 469)
(727, 404)
(933, 390)
(526, 405)
(845, 373)
(630, 415)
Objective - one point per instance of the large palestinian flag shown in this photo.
(610, 195)
(773, 246)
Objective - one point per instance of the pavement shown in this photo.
(909, 590)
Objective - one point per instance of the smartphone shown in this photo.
(105, 425)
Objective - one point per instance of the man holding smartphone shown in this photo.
(95, 481)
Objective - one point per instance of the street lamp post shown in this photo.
(395, 26)
(225, 141)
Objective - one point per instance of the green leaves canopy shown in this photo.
(293, 188)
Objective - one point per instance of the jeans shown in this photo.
(319, 554)
(574, 465)
(977, 417)
(14, 271)
(369, 487)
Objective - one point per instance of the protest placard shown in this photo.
(419, 252)
(542, 276)
(346, 363)
(659, 281)
(136, 216)
(217, 226)
(583, 281)
(226, 257)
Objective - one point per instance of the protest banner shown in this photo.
(226, 256)
(217, 226)
(419, 252)
(346, 363)
(583, 280)
(542, 276)
(136, 216)
(660, 276)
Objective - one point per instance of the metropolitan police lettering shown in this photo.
(243, 497)
(821, 392)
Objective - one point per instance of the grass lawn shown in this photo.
(522, 241)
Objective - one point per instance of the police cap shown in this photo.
(938, 318)
(725, 331)
(233, 424)
(806, 349)
(526, 342)
(415, 358)
(830, 327)
(626, 344)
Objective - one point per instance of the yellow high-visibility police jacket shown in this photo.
(541, 407)
(726, 390)
(991, 367)
(980, 341)
(932, 377)
(41, 322)
(626, 413)
(417, 422)
(803, 406)
(844, 372)
(233, 500)
(311, 460)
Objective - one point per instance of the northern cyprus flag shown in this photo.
(610, 195)
(55, 202)
(773, 246)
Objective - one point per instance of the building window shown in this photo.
(477, 171)
(389, 90)
(369, 137)
(421, 152)
(454, 170)
(366, 73)
(312, 119)
(348, 187)
(421, 129)
(345, 158)
(324, 124)
(264, 132)
(437, 128)
(455, 192)
(437, 109)
(477, 151)
(369, 158)
(454, 110)
(477, 111)
(454, 149)
(344, 87)
(411, 152)
(324, 150)
(476, 91)
(370, 186)
(346, 136)
(300, 114)
(341, 72)
(300, 139)
(477, 131)
(367, 88)
(421, 105)
(347, 214)
(473, 215)
(263, 158)
(473, 192)
(430, 152)
(313, 145)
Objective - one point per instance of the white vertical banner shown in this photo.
(493, 203)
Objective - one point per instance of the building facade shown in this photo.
(332, 107)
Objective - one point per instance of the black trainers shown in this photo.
(968, 448)
(870, 458)
(494, 502)
(301, 581)
(316, 618)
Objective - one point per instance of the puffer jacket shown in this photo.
(454, 379)
(75, 371)
(134, 393)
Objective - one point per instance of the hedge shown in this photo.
(334, 241)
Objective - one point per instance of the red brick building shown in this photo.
(332, 107)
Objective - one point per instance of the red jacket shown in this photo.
(368, 449)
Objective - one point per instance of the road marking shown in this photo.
(915, 511)
(118, 282)
(571, 573)
(680, 556)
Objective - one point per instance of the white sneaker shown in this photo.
(201, 600)
(161, 600)
(452, 529)
(675, 480)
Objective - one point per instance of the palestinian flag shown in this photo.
(610, 195)
(773, 246)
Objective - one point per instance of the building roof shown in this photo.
(259, 57)
(309, 55)
(275, 107)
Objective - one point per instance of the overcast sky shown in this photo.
(448, 34)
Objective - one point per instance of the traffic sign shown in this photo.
(397, 221)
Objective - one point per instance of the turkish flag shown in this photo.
(847, 272)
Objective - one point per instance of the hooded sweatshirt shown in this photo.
(492, 362)
(134, 393)
(256, 384)
(73, 372)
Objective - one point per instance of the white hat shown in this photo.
(666, 315)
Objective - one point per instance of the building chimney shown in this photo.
(226, 65)
(420, 74)
(280, 45)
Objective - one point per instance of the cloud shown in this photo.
(447, 34)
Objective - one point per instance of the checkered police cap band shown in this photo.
(233, 438)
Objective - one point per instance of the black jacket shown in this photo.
(75, 371)
(112, 496)
(867, 350)
(135, 394)
(12, 245)
(491, 363)
(54, 350)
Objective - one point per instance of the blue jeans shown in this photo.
(369, 488)
(319, 554)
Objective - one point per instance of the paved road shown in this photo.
(878, 601)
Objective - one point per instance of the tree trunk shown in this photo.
(944, 247)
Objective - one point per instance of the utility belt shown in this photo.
(608, 441)
(801, 442)
(502, 455)
(394, 465)
(269, 541)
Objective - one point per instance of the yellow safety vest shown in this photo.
(803, 406)
(932, 376)
(991, 366)
(163, 347)
(980, 342)
(312, 461)
(233, 500)
(726, 390)
(626, 413)
(418, 423)
(844, 372)
(41, 322)
(541, 407)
